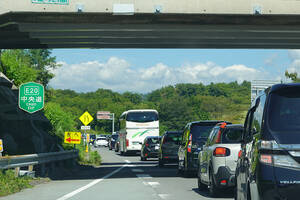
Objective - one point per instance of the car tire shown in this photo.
(213, 190)
(201, 186)
(160, 163)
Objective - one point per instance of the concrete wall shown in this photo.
(165, 6)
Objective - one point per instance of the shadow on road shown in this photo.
(225, 193)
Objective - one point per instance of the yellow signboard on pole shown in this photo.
(1, 146)
(72, 137)
(86, 118)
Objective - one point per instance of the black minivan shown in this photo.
(168, 152)
(269, 162)
(194, 136)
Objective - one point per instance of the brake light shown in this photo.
(221, 152)
(240, 153)
(218, 140)
(147, 145)
(127, 142)
(223, 182)
(266, 159)
(166, 156)
(189, 147)
(223, 125)
(146, 154)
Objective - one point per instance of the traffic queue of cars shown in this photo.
(259, 160)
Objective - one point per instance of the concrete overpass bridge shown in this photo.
(150, 24)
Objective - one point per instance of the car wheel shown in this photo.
(201, 186)
(160, 163)
(213, 190)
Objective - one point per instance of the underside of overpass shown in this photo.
(84, 25)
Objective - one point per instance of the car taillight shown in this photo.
(266, 159)
(221, 152)
(218, 140)
(240, 153)
(127, 142)
(189, 147)
(147, 145)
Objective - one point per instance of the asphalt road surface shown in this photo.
(119, 177)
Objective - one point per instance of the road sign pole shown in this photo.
(113, 123)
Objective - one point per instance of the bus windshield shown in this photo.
(142, 116)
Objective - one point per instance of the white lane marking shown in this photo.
(71, 194)
(153, 184)
(137, 170)
(143, 176)
(164, 196)
(145, 183)
(127, 161)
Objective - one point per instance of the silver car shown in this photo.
(217, 160)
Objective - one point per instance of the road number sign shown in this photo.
(31, 97)
(86, 118)
(72, 137)
(1, 146)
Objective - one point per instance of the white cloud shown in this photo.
(118, 75)
(295, 61)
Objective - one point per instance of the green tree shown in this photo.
(293, 76)
(42, 61)
(16, 66)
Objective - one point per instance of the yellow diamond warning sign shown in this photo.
(86, 118)
(72, 137)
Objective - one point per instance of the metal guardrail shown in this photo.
(35, 159)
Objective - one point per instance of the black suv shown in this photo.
(168, 152)
(194, 136)
(112, 140)
(150, 147)
(269, 162)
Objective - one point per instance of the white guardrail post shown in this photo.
(9, 162)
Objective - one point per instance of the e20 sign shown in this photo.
(31, 97)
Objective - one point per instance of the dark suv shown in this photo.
(150, 147)
(194, 136)
(269, 162)
(168, 152)
(112, 140)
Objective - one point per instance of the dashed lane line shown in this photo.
(143, 176)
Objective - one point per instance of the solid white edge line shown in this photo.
(71, 194)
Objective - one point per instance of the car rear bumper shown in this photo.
(225, 175)
(169, 158)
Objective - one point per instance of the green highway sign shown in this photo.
(61, 2)
(31, 97)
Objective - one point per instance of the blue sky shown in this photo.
(153, 68)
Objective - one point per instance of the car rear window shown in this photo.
(153, 140)
(200, 132)
(172, 139)
(232, 135)
(284, 110)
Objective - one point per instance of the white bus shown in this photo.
(135, 126)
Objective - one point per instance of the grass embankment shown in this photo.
(10, 184)
(90, 158)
